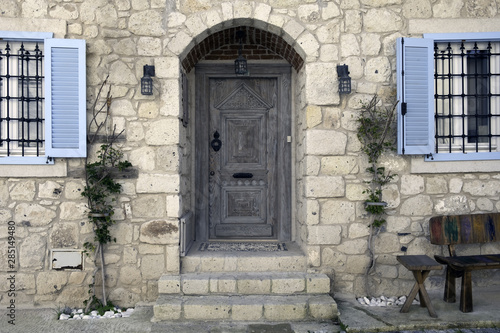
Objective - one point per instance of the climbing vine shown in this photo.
(101, 189)
(376, 134)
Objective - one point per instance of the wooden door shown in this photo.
(246, 152)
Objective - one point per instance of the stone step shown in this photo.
(245, 283)
(292, 260)
(245, 308)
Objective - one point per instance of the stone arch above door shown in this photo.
(257, 45)
(192, 30)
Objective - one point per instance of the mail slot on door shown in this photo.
(242, 175)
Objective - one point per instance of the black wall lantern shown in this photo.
(147, 81)
(344, 79)
(240, 64)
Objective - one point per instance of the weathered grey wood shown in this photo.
(236, 231)
(246, 123)
(252, 116)
(284, 157)
(463, 266)
(420, 266)
(450, 286)
(464, 229)
(477, 262)
(466, 293)
(419, 262)
(201, 168)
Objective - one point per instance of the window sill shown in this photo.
(419, 165)
(58, 169)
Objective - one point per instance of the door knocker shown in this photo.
(216, 143)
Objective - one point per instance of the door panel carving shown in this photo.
(244, 204)
(246, 138)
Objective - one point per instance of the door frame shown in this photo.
(203, 74)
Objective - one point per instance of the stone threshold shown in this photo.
(292, 248)
(292, 260)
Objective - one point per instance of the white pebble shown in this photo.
(381, 301)
(77, 314)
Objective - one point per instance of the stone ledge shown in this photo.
(130, 173)
(452, 25)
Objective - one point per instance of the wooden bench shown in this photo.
(464, 229)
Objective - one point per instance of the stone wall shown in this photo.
(329, 221)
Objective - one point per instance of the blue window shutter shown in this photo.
(415, 93)
(65, 98)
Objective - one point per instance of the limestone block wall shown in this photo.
(329, 171)
(47, 207)
(331, 221)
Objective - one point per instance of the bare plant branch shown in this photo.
(374, 126)
(91, 137)
(100, 186)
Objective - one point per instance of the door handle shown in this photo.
(242, 175)
(216, 143)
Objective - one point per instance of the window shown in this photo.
(42, 98)
(21, 110)
(449, 93)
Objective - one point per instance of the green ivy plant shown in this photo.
(376, 134)
(100, 191)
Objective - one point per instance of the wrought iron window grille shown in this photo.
(467, 96)
(21, 99)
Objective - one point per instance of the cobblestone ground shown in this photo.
(455, 330)
(43, 320)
